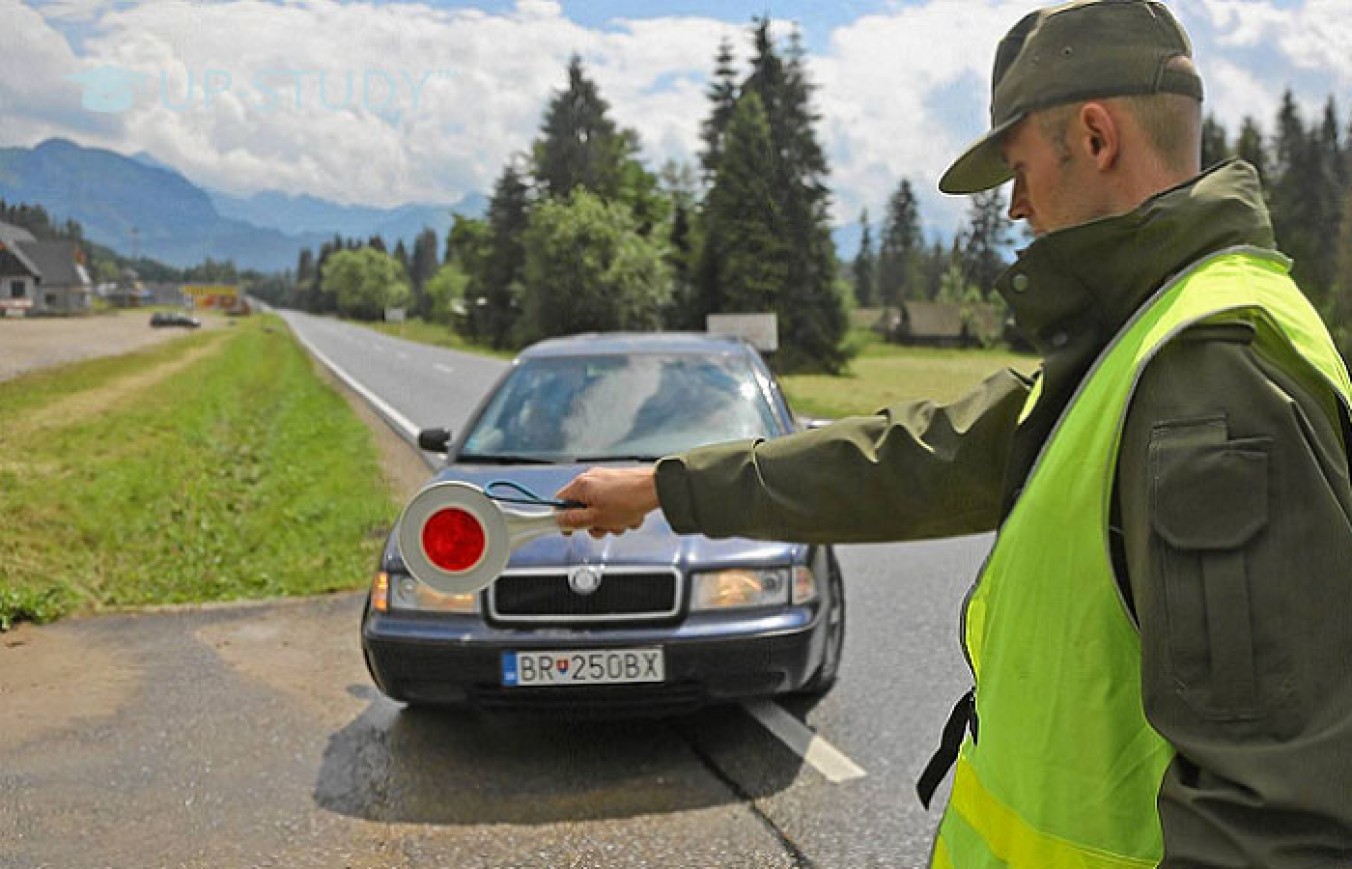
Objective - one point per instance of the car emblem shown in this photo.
(584, 580)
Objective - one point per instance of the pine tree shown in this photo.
(864, 264)
(722, 94)
(422, 266)
(746, 235)
(984, 243)
(1249, 147)
(375, 242)
(811, 316)
(502, 269)
(305, 268)
(1215, 148)
(1327, 184)
(1300, 188)
(778, 255)
(1332, 148)
(897, 251)
(579, 145)
(681, 312)
(934, 264)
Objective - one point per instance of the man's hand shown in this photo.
(616, 499)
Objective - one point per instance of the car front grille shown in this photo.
(624, 594)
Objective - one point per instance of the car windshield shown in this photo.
(637, 406)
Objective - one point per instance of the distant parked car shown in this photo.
(170, 318)
(649, 622)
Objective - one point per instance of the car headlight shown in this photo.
(407, 593)
(740, 587)
(804, 584)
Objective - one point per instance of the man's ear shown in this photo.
(1099, 136)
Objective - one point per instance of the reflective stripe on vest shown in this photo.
(1066, 770)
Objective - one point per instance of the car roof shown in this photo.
(597, 343)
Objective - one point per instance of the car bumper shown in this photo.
(709, 659)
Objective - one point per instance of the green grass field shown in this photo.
(215, 467)
(884, 374)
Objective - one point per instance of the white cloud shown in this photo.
(1235, 92)
(37, 97)
(443, 98)
(902, 94)
(377, 104)
(1251, 51)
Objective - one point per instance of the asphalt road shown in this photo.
(251, 735)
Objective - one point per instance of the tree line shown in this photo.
(1306, 167)
(580, 236)
(106, 265)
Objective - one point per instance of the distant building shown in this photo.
(41, 277)
(222, 297)
(166, 294)
(128, 291)
(939, 324)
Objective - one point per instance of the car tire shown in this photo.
(825, 678)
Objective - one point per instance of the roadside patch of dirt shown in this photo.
(278, 648)
(92, 402)
(51, 678)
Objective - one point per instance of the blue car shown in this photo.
(648, 622)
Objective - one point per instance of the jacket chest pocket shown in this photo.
(1209, 509)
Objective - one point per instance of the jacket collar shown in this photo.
(1081, 284)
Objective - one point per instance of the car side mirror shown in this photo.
(434, 440)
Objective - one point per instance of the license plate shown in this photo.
(594, 667)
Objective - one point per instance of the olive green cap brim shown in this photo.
(1076, 51)
(982, 166)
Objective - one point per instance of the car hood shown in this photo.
(654, 543)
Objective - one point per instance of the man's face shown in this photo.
(1053, 184)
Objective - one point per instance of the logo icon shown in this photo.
(584, 580)
(107, 89)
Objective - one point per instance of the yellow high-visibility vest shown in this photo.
(1065, 770)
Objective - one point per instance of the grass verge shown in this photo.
(237, 475)
(884, 374)
(424, 332)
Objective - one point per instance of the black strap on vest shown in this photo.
(962, 718)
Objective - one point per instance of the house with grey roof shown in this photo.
(41, 277)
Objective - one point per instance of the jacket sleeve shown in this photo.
(915, 470)
(1235, 508)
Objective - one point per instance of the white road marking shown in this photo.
(444, 369)
(395, 417)
(819, 754)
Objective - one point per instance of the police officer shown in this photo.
(1161, 638)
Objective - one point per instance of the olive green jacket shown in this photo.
(1269, 786)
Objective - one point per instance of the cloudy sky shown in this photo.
(381, 103)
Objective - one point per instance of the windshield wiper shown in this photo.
(595, 460)
(504, 459)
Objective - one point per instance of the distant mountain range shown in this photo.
(138, 205)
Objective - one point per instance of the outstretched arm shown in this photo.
(916, 470)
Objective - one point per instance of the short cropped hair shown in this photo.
(1172, 123)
